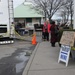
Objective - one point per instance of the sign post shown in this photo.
(64, 54)
(74, 15)
(67, 40)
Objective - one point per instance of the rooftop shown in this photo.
(25, 10)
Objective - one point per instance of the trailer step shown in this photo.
(6, 42)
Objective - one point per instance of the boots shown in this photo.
(53, 44)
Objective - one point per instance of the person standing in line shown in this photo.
(46, 30)
(53, 34)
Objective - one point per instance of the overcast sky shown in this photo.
(17, 2)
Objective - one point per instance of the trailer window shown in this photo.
(3, 28)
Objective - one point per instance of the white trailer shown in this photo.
(6, 20)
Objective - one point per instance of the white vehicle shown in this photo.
(6, 19)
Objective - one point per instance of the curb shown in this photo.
(26, 70)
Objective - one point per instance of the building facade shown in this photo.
(25, 13)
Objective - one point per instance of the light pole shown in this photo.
(74, 16)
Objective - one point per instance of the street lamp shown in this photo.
(74, 16)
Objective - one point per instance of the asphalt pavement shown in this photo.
(13, 58)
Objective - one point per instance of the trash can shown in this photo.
(30, 32)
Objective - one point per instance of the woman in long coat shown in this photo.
(53, 34)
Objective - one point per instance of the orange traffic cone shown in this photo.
(34, 39)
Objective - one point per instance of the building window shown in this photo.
(28, 20)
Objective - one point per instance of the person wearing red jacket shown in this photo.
(46, 30)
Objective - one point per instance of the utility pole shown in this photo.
(71, 13)
(45, 11)
(74, 16)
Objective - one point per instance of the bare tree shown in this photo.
(49, 7)
(68, 10)
(71, 9)
(65, 14)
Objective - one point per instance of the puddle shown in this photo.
(13, 65)
(20, 66)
